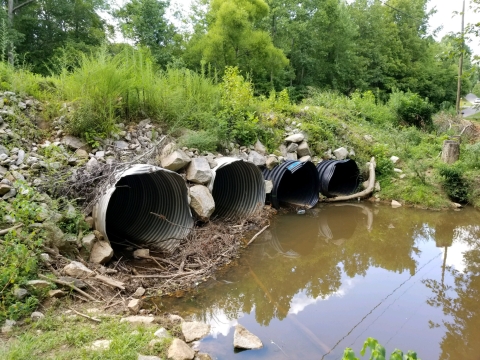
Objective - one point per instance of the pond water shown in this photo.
(316, 283)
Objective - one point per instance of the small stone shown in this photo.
(368, 138)
(101, 252)
(194, 330)
(4, 151)
(37, 315)
(4, 189)
(88, 241)
(292, 156)
(45, 257)
(75, 282)
(395, 204)
(303, 149)
(100, 154)
(397, 170)
(377, 186)
(137, 319)
(91, 165)
(134, 305)
(101, 345)
(147, 357)
(81, 154)
(256, 158)
(394, 159)
(38, 284)
(20, 157)
(139, 292)
(141, 254)
(90, 222)
(20, 293)
(175, 318)
(292, 148)
(457, 205)
(268, 186)
(202, 202)
(244, 339)
(8, 326)
(203, 356)
(340, 153)
(73, 142)
(77, 269)
(179, 350)
(121, 145)
(260, 148)
(162, 333)
(271, 162)
(403, 176)
(295, 138)
(56, 293)
(305, 158)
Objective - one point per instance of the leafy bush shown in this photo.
(471, 156)
(367, 108)
(411, 109)
(201, 140)
(454, 183)
(377, 352)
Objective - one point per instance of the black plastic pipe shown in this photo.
(338, 177)
(295, 183)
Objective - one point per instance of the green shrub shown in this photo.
(201, 140)
(378, 352)
(454, 183)
(411, 109)
(367, 107)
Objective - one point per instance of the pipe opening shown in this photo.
(127, 217)
(238, 189)
(294, 184)
(338, 177)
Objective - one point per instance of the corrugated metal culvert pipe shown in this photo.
(338, 177)
(237, 187)
(124, 213)
(294, 183)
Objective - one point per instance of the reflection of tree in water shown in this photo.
(305, 254)
(461, 301)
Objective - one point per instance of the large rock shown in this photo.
(202, 202)
(256, 158)
(73, 142)
(177, 160)
(295, 138)
(101, 252)
(305, 158)
(77, 270)
(244, 339)
(199, 171)
(340, 153)
(268, 186)
(292, 156)
(88, 241)
(260, 148)
(4, 188)
(194, 330)
(179, 350)
(134, 305)
(292, 148)
(303, 149)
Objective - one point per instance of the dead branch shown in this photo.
(110, 281)
(70, 285)
(86, 316)
(258, 234)
(5, 231)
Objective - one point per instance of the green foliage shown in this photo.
(411, 109)
(377, 352)
(201, 140)
(454, 182)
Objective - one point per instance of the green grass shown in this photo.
(67, 337)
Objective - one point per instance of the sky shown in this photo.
(443, 18)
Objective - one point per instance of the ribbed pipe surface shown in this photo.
(237, 187)
(124, 213)
(338, 177)
(294, 183)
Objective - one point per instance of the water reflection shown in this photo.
(340, 273)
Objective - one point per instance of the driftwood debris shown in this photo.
(110, 281)
(70, 285)
(258, 234)
(367, 191)
(5, 231)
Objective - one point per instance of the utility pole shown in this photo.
(460, 66)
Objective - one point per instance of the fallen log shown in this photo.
(364, 193)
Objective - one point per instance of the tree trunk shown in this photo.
(450, 151)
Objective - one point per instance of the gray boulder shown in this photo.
(194, 330)
(305, 158)
(179, 350)
(77, 269)
(4, 150)
(88, 241)
(295, 138)
(148, 357)
(256, 158)
(292, 156)
(292, 148)
(121, 145)
(271, 162)
(268, 186)
(73, 142)
(260, 148)
(244, 339)
(20, 293)
(340, 153)
(199, 171)
(303, 149)
(202, 202)
(175, 161)
(4, 188)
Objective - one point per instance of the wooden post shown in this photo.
(450, 151)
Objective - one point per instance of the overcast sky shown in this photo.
(443, 18)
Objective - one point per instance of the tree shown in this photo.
(144, 22)
(48, 25)
(233, 39)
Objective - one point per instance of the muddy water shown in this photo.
(317, 283)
